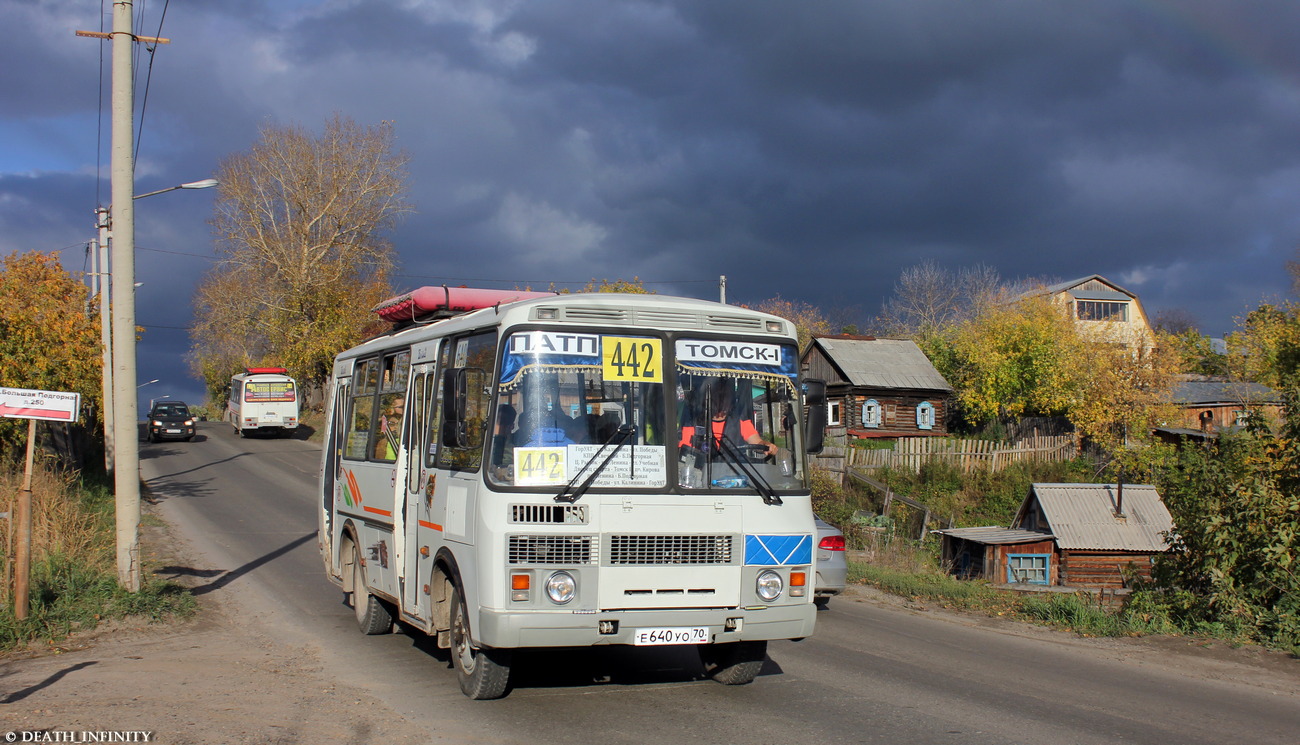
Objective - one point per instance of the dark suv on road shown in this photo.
(170, 420)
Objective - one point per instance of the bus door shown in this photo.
(330, 469)
(421, 530)
(464, 398)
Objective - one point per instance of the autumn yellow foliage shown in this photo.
(49, 338)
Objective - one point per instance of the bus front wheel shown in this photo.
(482, 673)
(733, 664)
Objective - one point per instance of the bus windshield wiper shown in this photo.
(623, 434)
(738, 461)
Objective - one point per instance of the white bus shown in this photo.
(263, 400)
(573, 470)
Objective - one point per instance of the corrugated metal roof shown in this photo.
(995, 535)
(1073, 283)
(1082, 516)
(1217, 392)
(883, 363)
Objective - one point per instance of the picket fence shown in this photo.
(968, 455)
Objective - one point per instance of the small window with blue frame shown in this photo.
(1032, 569)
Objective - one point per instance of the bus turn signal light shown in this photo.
(519, 586)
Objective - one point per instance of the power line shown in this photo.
(144, 101)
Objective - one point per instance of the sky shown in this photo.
(811, 150)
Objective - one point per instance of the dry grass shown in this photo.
(73, 577)
(63, 524)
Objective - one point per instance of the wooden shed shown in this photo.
(994, 554)
(879, 387)
(1087, 536)
(1103, 532)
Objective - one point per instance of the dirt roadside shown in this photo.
(206, 680)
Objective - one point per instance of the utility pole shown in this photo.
(126, 439)
(125, 436)
(722, 289)
(105, 337)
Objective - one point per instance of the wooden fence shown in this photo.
(968, 455)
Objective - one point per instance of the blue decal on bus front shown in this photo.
(778, 550)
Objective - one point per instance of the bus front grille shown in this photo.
(649, 550)
(552, 550)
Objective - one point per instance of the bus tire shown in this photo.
(482, 673)
(733, 664)
(372, 616)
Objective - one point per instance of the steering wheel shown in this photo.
(754, 453)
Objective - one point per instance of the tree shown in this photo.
(634, 286)
(929, 298)
(808, 319)
(1176, 321)
(299, 221)
(48, 340)
(1266, 347)
(1232, 562)
(1123, 397)
(1012, 360)
(1195, 353)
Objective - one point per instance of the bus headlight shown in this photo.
(769, 585)
(561, 587)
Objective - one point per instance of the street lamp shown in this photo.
(155, 380)
(104, 228)
(121, 437)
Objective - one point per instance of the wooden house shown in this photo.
(1215, 405)
(1087, 536)
(879, 387)
(1103, 311)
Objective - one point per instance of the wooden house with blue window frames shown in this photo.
(879, 387)
(1088, 536)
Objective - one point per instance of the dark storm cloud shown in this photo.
(811, 150)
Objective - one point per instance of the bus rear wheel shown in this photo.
(372, 616)
(733, 664)
(482, 673)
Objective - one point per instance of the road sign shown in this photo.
(54, 406)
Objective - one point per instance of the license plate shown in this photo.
(660, 636)
(173, 431)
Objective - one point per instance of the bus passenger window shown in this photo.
(364, 380)
(387, 437)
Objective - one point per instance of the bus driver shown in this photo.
(724, 423)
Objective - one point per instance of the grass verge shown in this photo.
(73, 581)
(1074, 612)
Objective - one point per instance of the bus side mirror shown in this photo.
(814, 395)
(464, 403)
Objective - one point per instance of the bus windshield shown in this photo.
(574, 407)
(736, 408)
(564, 396)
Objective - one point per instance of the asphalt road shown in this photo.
(872, 673)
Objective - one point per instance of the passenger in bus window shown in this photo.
(542, 429)
(390, 426)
